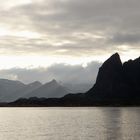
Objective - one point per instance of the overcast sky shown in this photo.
(46, 39)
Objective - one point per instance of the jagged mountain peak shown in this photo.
(51, 83)
(115, 55)
(49, 89)
(113, 60)
(109, 75)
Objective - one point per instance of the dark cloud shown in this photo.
(58, 21)
(128, 38)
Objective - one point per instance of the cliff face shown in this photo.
(116, 81)
(132, 74)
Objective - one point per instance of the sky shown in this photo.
(66, 40)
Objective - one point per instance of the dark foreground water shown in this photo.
(70, 123)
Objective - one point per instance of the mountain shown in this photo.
(132, 74)
(111, 82)
(117, 84)
(7, 87)
(23, 92)
(48, 90)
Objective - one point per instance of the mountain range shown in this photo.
(117, 84)
(11, 90)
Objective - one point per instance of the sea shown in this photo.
(70, 123)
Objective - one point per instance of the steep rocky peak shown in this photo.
(110, 71)
(114, 60)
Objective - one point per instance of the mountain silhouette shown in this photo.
(117, 84)
(11, 90)
(111, 84)
(48, 90)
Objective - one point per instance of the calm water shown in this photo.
(70, 123)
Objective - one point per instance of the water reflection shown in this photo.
(70, 123)
(112, 123)
(121, 123)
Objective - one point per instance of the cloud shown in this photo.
(65, 31)
(127, 38)
(69, 28)
(61, 72)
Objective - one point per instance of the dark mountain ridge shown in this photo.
(112, 84)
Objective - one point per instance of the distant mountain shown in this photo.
(7, 87)
(117, 84)
(11, 90)
(23, 92)
(48, 90)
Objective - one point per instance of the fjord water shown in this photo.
(95, 123)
